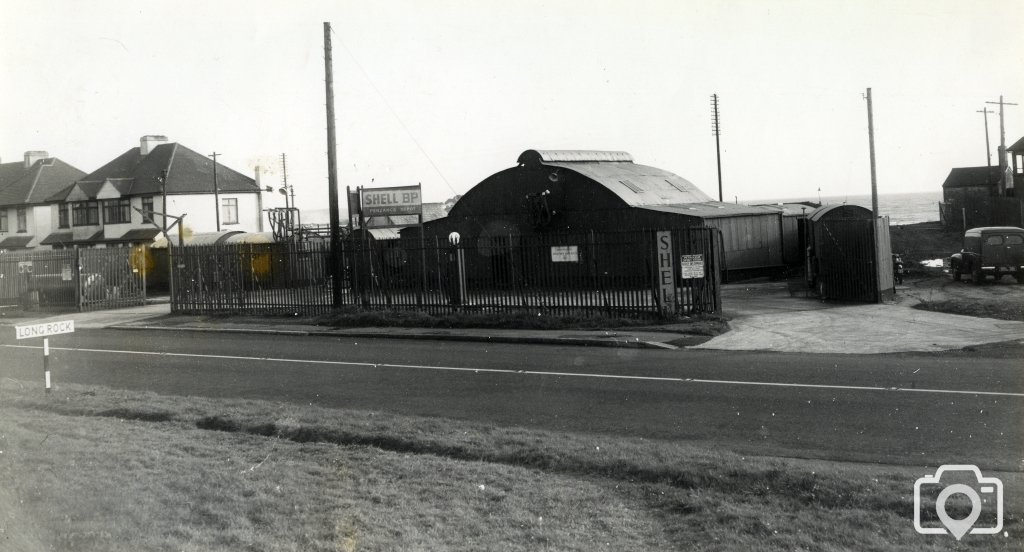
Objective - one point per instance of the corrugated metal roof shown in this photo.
(202, 238)
(385, 233)
(656, 186)
(532, 157)
(791, 209)
(712, 209)
(841, 211)
(251, 237)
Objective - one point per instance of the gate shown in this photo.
(78, 279)
(844, 254)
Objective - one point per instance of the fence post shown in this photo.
(79, 299)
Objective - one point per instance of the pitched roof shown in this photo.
(15, 242)
(637, 185)
(188, 172)
(1017, 147)
(58, 238)
(35, 184)
(965, 177)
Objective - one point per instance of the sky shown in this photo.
(446, 93)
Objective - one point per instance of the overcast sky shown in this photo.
(449, 92)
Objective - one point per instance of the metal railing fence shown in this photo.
(579, 274)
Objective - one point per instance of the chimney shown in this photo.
(150, 141)
(32, 156)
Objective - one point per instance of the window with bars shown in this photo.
(117, 211)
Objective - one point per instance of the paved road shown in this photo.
(908, 408)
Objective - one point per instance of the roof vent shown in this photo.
(536, 157)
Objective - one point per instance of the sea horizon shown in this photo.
(901, 208)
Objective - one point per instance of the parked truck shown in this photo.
(990, 251)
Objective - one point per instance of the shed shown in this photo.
(575, 191)
(849, 257)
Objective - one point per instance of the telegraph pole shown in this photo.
(716, 129)
(216, 192)
(988, 148)
(332, 171)
(871, 150)
(874, 203)
(1002, 145)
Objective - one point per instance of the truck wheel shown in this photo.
(977, 276)
(1019, 276)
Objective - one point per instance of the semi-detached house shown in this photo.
(118, 204)
(25, 218)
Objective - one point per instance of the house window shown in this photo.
(229, 210)
(62, 216)
(117, 211)
(85, 213)
(3, 220)
(147, 209)
(22, 220)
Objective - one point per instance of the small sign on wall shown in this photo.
(692, 266)
(565, 254)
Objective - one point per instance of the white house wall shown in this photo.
(37, 220)
(201, 215)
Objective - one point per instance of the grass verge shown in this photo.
(984, 309)
(90, 468)
(703, 324)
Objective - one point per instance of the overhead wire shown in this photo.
(393, 112)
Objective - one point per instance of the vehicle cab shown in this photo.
(990, 251)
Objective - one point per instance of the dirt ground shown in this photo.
(933, 289)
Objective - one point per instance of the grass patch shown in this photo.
(703, 324)
(1003, 310)
(91, 468)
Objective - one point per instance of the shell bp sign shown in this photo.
(398, 200)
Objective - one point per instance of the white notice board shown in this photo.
(565, 254)
(692, 266)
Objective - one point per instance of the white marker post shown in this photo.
(46, 362)
(44, 330)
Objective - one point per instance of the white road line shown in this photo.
(531, 372)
